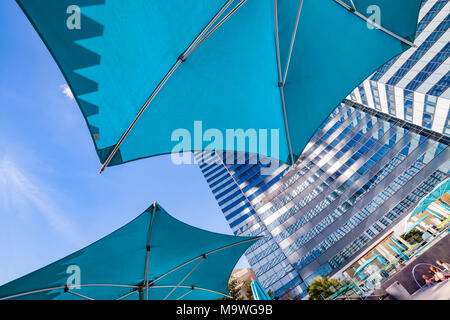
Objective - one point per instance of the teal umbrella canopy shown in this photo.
(157, 77)
(258, 291)
(153, 257)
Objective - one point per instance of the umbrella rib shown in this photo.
(30, 292)
(281, 83)
(216, 27)
(133, 286)
(277, 39)
(190, 272)
(128, 294)
(147, 255)
(353, 4)
(102, 285)
(78, 294)
(192, 287)
(291, 48)
(175, 66)
(63, 287)
(201, 256)
(283, 104)
(185, 294)
(376, 25)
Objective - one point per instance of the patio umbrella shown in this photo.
(398, 251)
(415, 224)
(258, 291)
(152, 257)
(368, 262)
(142, 70)
(398, 244)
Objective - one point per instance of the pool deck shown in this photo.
(439, 291)
(439, 250)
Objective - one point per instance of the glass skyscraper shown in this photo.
(238, 189)
(415, 85)
(365, 168)
(361, 172)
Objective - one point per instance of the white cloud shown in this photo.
(22, 193)
(66, 91)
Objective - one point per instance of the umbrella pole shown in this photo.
(147, 257)
(180, 60)
(283, 104)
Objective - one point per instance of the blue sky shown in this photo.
(52, 200)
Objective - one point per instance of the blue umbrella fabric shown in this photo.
(258, 291)
(153, 257)
(142, 70)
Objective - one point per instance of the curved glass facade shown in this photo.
(361, 172)
(364, 170)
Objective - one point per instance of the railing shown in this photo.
(422, 264)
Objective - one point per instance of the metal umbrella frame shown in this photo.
(199, 268)
(123, 126)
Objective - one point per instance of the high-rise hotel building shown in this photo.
(364, 170)
(415, 85)
(238, 189)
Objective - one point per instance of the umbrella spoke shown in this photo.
(181, 282)
(376, 25)
(128, 294)
(147, 255)
(281, 83)
(199, 257)
(119, 266)
(353, 4)
(26, 293)
(197, 288)
(185, 294)
(294, 33)
(180, 59)
(216, 27)
(66, 290)
(108, 104)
